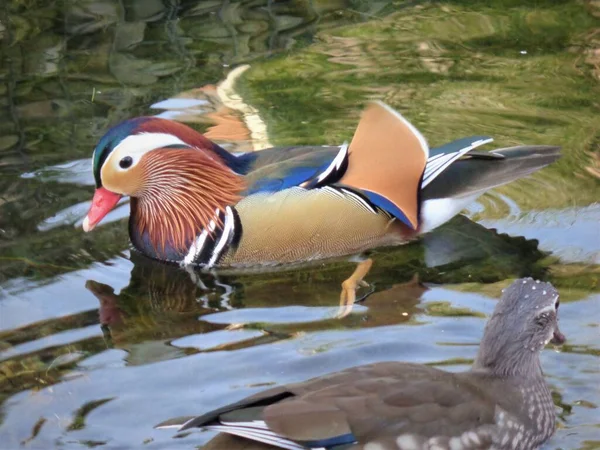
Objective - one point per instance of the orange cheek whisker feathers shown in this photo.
(182, 191)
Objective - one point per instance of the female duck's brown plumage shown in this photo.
(196, 204)
(502, 403)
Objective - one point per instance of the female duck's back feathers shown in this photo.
(376, 403)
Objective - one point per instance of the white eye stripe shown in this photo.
(546, 309)
(137, 145)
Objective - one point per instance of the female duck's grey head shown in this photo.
(524, 321)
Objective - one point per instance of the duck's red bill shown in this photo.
(103, 202)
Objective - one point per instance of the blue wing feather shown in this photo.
(383, 203)
(294, 177)
(344, 439)
(275, 169)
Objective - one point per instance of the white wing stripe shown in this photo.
(442, 164)
(438, 163)
(433, 158)
(267, 438)
(228, 228)
(336, 163)
(359, 200)
(259, 424)
(333, 191)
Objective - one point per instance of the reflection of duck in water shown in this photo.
(159, 302)
(223, 108)
(162, 300)
(109, 312)
(393, 305)
(503, 402)
(195, 204)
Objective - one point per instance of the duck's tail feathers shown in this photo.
(466, 179)
(481, 171)
(442, 157)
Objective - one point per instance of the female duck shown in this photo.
(502, 402)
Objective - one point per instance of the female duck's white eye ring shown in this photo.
(126, 162)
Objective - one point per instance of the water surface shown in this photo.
(97, 344)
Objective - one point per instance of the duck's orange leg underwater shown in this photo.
(350, 285)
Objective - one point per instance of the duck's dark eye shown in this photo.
(557, 304)
(126, 162)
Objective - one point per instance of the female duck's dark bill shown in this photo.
(102, 203)
(558, 338)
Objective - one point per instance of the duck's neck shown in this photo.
(184, 190)
(506, 356)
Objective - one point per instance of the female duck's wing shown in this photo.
(225, 441)
(386, 403)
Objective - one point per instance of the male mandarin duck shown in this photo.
(196, 204)
(501, 403)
